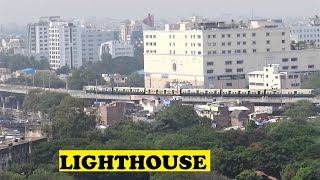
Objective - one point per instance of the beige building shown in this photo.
(272, 78)
(219, 55)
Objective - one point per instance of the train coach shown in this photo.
(202, 92)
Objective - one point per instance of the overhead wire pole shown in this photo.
(130, 86)
(49, 80)
(96, 90)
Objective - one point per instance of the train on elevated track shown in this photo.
(201, 92)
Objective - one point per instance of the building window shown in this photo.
(199, 52)
(294, 59)
(229, 84)
(209, 63)
(229, 35)
(267, 34)
(229, 51)
(283, 41)
(285, 59)
(238, 43)
(294, 67)
(222, 35)
(210, 71)
(244, 35)
(199, 36)
(295, 76)
(283, 33)
(228, 70)
(244, 43)
(228, 62)
(244, 51)
(285, 67)
(209, 52)
(268, 41)
(240, 70)
(209, 36)
(268, 50)
(254, 50)
(253, 34)
(199, 44)
(213, 36)
(238, 35)
(223, 51)
(223, 44)
(310, 66)
(229, 43)
(154, 36)
(254, 42)
(240, 62)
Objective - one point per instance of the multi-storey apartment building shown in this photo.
(272, 78)
(91, 41)
(117, 49)
(38, 35)
(218, 55)
(65, 44)
(307, 32)
(127, 29)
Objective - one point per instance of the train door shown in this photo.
(295, 93)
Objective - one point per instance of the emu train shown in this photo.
(202, 92)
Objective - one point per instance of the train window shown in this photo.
(197, 91)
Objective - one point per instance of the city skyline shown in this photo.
(162, 9)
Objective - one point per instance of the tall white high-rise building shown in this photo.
(65, 44)
(219, 55)
(91, 41)
(38, 35)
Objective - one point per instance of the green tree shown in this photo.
(176, 118)
(248, 175)
(69, 119)
(300, 110)
(312, 82)
(43, 101)
(63, 70)
(10, 176)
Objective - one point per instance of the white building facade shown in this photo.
(38, 36)
(117, 49)
(219, 55)
(65, 44)
(272, 78)
(308, 32)
(92, 40)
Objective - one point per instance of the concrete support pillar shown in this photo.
(3, 105)
(18, 104)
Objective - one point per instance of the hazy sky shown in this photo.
(24, 11)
